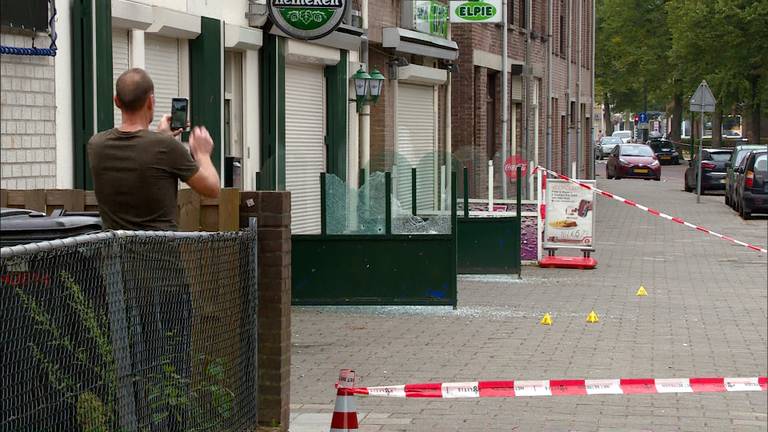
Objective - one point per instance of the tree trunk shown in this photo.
(717, 127)
(607, 115)
(753, 133)
(677, 118)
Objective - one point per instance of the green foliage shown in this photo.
(96, 331)
(203, 404)
(669, 46)
(91, 415)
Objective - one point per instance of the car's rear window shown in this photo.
(741, 154)
(720, 156)
(637, 150)
(761, 163)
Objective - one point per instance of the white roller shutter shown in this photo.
(120, 62)
(162, 58)
(416, 145)
(304, 144)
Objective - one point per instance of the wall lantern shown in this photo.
(367, 87)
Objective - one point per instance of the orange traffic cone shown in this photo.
(345, 413)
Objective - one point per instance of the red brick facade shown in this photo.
(471, 96)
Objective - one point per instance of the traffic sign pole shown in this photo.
(699, 173)
(703, 101)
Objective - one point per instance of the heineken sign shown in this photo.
(307, 19)
(487, 11)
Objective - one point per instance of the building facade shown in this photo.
(550, 82)
(282, 110)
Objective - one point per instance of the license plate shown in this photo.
(722, 180)
(665, 157)
(641, 171)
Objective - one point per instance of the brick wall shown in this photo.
(27, 117)
(381, 14)
(468, 141)
(273, 210)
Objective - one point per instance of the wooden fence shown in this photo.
(195, 212)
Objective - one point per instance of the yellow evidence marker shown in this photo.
(592, 317)
(641, 292)
(546, 320)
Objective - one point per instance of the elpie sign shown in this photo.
(307, 19)
(478, 11)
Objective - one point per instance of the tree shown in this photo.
(669, 46)
(631, 55)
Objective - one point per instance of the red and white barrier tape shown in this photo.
(482, 389)
(654, 212)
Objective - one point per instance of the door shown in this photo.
(416, 145)
(162, 58)
(120, 62)
(304, 144)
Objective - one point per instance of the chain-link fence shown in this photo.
(129, 331)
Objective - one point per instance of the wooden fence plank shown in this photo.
(229, 209)
(189, 210)
(34, 199)
(90, 201)
(67, 199)
(16, 199)
(209, 215)
(3, 198)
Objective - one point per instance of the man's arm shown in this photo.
(206, 180)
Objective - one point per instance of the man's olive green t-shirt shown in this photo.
(135, 177)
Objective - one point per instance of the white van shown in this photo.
(625, 135)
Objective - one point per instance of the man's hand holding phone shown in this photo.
(164, 127)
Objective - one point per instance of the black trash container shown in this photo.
(48, 349)
(19, 226)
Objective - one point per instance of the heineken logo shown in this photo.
(488, 11)
(307, 19)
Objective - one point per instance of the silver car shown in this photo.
(606, 146)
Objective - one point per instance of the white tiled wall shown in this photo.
(27, 118)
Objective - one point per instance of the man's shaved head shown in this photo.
(133, 88)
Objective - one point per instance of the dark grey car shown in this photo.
(712, 168)
(739, 153)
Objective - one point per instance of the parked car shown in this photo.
(752, 184)
(665, 151)
(606, 146)
(712, 169)
(633, 160)
(738, 155)
(625, 135)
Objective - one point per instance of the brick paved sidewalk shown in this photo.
(705, 315)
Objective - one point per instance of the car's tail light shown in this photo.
(708, 165)
(749, 179)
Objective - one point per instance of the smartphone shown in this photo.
(179, 113)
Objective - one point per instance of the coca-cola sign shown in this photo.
(511, 164)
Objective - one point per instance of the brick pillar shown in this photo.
(273, 210)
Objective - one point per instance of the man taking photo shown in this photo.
(136, 171)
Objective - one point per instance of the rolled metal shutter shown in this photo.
(304, 144)
(120, 61)
(416, 145)
(162, 58)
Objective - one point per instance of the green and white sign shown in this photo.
(484, 11)
(431, 17)
(307, 19)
